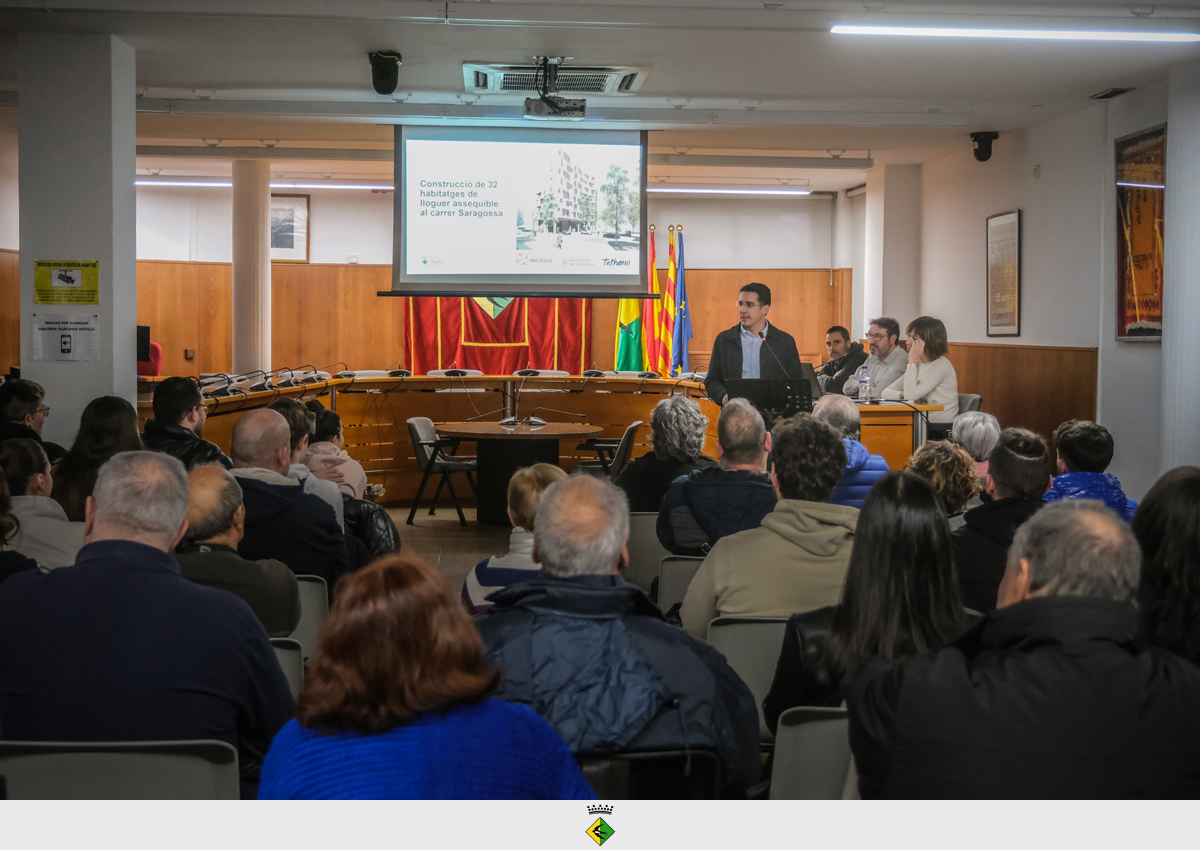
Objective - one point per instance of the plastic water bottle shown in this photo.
(864, 386)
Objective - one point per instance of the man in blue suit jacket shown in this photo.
(121, 647)
(863, 469)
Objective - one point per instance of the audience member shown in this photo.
(108, 425)
(11, 561)
(796, 560)
(595, 657)
(887, 360)
(845, 357)
(300, 422)
(396, 706)
(121, 647)
(45, 534)
(525, 490)
(900, 598)
(710, 503)
(677, 433)
(1048, 697)
(1019, 473)
(178, 425)
(283, 522)
(208, 553)
(1085, 449)
(951, 471)
(327, 452)
(1167, 526)
(930, 377)
(863, 469)
(977, 432)
(23, 411)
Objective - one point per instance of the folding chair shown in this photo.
(314, 605)
(812, 754)
(433, 461)
(645, 552)
(751, 645)
(120, 770)
(613, 454)
(290, 654)
(661, 775)
(675, 574)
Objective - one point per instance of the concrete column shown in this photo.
(251, 265)
(77, 160)
(902, 243)
(1181, 286)
(873, 247)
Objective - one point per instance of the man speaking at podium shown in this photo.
(753, 349)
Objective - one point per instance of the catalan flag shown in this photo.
(682, 335)
(651, 316)
(666, 315)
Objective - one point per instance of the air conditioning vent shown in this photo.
(572, 80)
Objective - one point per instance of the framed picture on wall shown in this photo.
(1004, 274)
(1141, 175)
(289, 228)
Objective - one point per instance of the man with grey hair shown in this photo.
(595, 657)
(707, 504)
(208, 553)
(863, 469)
(283, 522)
(121, 647)
(1048, 696)
(677, 432)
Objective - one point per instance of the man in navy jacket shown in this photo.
(121, 647)
(752, 349)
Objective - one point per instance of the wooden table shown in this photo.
(894, 429)
(503, 449)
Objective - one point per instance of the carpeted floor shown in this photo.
(451, 548)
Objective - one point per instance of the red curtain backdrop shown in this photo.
(498, 336)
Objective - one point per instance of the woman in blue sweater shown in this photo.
(395, 706)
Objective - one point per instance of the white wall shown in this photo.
(9, 208)
(1061, 233)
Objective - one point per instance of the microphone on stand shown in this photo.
(763, 336)
(534, 421)
(588, 374)
(512, 420)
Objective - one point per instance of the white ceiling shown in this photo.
(726, 75)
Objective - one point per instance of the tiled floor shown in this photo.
(451, 548)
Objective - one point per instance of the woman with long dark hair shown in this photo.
(108, 426)
(396, 705)
(1167, 526)
(900, 597)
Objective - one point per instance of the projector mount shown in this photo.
(548, 104)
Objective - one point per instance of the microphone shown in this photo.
(480, 416)
(763, 336)
(400, 372)
(512, 420)
(593, 372)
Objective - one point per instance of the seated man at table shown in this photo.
(863, 469)
(844, 359)
(707, 504)
(888, 358)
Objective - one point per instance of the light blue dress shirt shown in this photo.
(751, 348)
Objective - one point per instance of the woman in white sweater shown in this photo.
(45, 534)
(930, 377)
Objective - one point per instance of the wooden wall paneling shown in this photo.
(10, 310)
(188, 306)
(604, 332)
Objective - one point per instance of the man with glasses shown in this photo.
(23, 412)
(753, 349)
(888, 358)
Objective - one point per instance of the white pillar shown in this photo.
(77, 150)
(1181, 263)
(902, 243)
(873, 248)
(251, 265)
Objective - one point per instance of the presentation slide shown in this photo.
(521, 211)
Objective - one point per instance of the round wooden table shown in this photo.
(503, 449)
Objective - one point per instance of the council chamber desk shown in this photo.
(374, 413)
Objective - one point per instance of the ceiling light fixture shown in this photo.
(687, 191)
(980, 32)
(182, 183)
(1141, 185)
(374, 187)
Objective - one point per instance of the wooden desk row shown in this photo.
(374, 413)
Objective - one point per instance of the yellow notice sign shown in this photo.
(66, 282)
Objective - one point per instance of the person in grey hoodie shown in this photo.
(797, 559)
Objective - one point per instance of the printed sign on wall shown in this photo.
(66, 336)
(66, 282)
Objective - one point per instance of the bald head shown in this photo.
(839, 413)
(214, 511)
(742, 436)
(581, 528)
(262, 439)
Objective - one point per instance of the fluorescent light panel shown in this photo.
(220, 185)
(1141, 185)
(979, 32)
(686, 191)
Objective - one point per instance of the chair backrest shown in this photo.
(420, 429)
(153, 366)
(290, 654)
(675, 574)
(812, 754)
(645, 552)
(133, 770)
(441, 373)
(968, 402)
(751, 646)
(624, 449)
(314, 605)
(664, 775)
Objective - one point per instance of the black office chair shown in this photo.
(613, 453)
(433, 461)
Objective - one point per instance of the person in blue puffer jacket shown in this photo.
(863, 469)
(1085, 449)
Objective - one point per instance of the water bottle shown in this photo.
(864, 386)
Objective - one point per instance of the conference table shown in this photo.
(374, 413)
(503, 449)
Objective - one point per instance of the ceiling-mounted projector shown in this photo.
(559, 108)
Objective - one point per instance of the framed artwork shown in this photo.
(289, 228)
(1141, 176)
(1004, 274)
